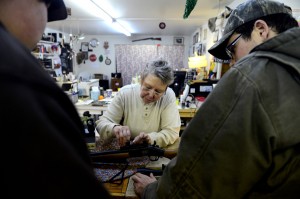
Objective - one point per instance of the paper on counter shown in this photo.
(86, 102)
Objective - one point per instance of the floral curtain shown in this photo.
(131, 59)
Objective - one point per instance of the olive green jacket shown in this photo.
(244, 141)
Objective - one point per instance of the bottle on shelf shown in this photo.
(95, 93)
(101, 91)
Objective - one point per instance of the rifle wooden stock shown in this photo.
(132, 151)
(169, 153)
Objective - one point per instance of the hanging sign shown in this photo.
(93, 57)
(101, 58)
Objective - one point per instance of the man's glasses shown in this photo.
(229, 48)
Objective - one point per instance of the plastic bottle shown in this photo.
(95, 93)
(101, 91)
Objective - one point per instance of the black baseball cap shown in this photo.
(245, 12)
(57, 10)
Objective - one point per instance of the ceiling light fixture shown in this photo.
(99, 11)
(81, 36)
(104, 15)
(95, 8)
(121, 28)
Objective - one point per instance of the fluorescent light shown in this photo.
(89, 7)
(95, 8)
(100, 12)
(121, 28)
(104, 15)
(81, 36)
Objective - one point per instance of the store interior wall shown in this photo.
(92, 67)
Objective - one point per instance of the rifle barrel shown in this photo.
(133, 151)
(123, 155)
(99, 157)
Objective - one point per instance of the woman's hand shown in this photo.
(141, 138)
(122, 134)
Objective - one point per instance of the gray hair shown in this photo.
(160, 69)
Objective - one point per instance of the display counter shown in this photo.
(98, 110)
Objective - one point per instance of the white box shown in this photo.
(84, 87)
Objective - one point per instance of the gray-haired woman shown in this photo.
(145, 111)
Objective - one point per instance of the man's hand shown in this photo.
(141, 181)
(141, 138)
(122, 134)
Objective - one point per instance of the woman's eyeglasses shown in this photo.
(160, 63)
(229, 48)
(156, 93)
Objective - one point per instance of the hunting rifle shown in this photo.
(133, 150)
(150, 38)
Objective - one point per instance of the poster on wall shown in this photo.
(203, 49)
(216, 36)
(196, 38)
(199, 49)
(204, 34)
(178, 40)
(84, 46)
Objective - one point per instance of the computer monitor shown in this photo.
(179, 82)
(202, 89)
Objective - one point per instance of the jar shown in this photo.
(95, 94)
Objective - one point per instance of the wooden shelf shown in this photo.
(186, 115)
(187, 112)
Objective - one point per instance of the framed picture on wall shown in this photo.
(197, 37)
(191, 51)
(203, 49)
(84, 46)
(204, 34)
(199, 49)
(200, 36)
(216, 35)
(178, 40)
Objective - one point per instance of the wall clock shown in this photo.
(107, 61)
(94, 43)
(162, 25)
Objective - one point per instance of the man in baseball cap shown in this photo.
(246, 12)
(244, 141)
(56, 10)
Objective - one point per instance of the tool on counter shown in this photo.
(89, 129)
